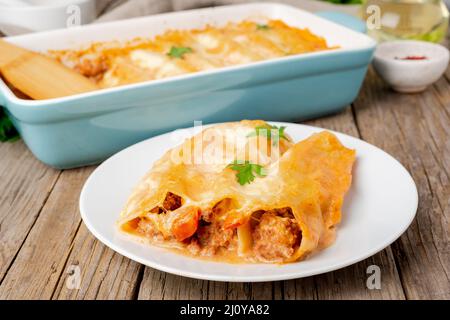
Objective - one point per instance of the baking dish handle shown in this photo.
(344, 19)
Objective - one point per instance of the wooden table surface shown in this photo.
(42, 237)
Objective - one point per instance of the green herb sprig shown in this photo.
(262, 27)
(7, 131)
(178, 52)
(247, 171)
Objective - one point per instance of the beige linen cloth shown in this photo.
(110, 10)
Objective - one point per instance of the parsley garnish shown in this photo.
(7, 130)
(178, 52)
(246, 171)
(262, 27)
(266, 131)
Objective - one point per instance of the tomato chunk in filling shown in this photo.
(146, 227)
(276, 236)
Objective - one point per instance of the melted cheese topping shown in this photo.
(193, 201)
(113, 63)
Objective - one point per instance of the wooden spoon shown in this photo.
(38, 76)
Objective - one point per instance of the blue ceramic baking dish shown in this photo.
(87, 128)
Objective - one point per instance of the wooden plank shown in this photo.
(104, 273)
(350, 283)
(415, 130)
(254, 291)
(159, 285)
(25, 183)
(42, 258)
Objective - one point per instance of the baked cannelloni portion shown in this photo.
(243, 192)
(178, 52)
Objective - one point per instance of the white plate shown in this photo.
(379, 207)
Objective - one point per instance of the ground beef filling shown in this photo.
(276, 236)
(211, 236)
(148, 229)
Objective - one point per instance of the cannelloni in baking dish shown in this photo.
(243, 192)
(178, 52)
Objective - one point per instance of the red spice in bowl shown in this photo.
(412, 58)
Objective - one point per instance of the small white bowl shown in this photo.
(410, 75)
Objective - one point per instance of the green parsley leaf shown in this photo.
(246, 171)
(262, 27)
(178, 52)
(266, 131)
(7, 131)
